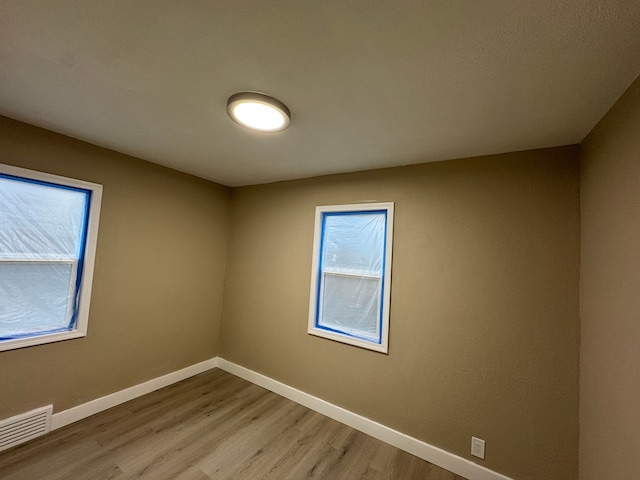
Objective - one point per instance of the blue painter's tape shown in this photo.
(347, 334)
(42, 182)
(32, 335)
(80, 270)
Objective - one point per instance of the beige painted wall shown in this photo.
(484, 316)
(610, 295)
(484, 312)
(157, 291)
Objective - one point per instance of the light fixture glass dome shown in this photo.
(258, 112)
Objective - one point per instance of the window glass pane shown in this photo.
(354, 242)
(40, 221)
(351, 304)
(34, 298)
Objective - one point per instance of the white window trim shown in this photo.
(82, 321)
(386, 293)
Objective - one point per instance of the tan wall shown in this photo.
(610, 295)
(484, 321)
(484, 310)
(158, 283)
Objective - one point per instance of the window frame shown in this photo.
(84, 290)
(316, 273)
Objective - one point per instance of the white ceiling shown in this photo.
(369, 83)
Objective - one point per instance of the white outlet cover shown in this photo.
(477, 447)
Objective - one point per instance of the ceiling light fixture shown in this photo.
(258, 112)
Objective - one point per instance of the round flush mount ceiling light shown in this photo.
(258, 112)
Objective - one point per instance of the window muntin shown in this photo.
(48, 230)
(351, 274)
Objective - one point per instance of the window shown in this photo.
(48, 233)
(351, 274)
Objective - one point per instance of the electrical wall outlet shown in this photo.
(477, 447)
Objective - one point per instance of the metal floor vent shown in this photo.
(24, 427)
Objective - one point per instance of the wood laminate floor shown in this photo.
(211, 426)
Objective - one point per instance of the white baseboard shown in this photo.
(85, 410)
(435, 455)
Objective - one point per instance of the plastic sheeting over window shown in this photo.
(351, 265)
(42, 239)
(350, 281)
